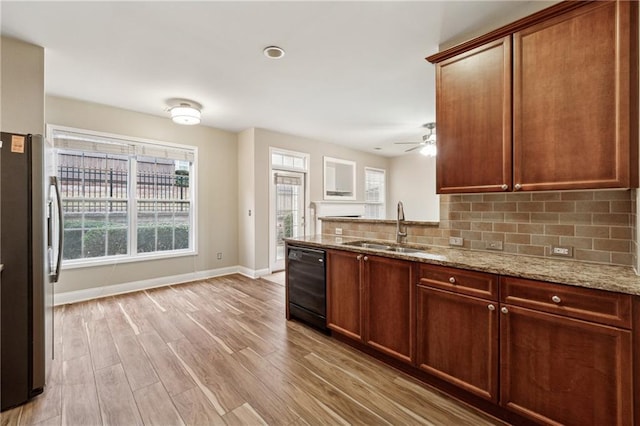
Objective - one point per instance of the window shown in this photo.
(123, 198)
(374, 193)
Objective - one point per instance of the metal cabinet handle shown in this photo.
(491, 307)
(517, 186)
(452, 280)
(556, 299)
(504, 187)
(504, 310)
(359, 257)
(366, 258)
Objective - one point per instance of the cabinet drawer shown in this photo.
(461, 281)
(588, 304)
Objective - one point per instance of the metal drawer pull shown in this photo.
(504, 187)
(491, 307)
(504, 310)
(359, 257)
(366, 258)
(556, 299)
(452, 280)
(517, 186)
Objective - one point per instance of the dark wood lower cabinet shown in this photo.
(457, 340)
(559, 370)
(344, 293)
(523, 350)
(389, 307)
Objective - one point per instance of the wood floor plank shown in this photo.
(344, 406)
(74, 339)
(80, 405)
(244, 415)
(360, 391)
(175, 379)
(43, 407)
(137, 366)
(78, 371)
(156, 406)
(219, 352)
(11, 417)
(263, 400)
(53, 421)
(289, 392)
(195, 409)
(164, 327)
(215, 384)
(117, 405)
(103, 349)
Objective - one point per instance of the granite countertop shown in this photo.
(387, 221)
(622, 279)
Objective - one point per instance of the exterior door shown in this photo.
(289, 205)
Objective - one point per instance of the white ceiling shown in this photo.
(354, 72)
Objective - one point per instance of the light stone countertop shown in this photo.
(622, 279)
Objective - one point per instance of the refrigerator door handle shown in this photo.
(55, 274)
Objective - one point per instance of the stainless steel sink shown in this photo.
(384, 247)
(365, 244)
(404, 250)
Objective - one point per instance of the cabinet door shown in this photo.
(344, 293)
(557, 370)
(457, 340)
(389, 306)
(575, 100)
(473, 112)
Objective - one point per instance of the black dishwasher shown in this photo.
(306, 286)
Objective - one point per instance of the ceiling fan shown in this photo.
(428, 145)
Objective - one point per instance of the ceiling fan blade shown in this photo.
(414, 148)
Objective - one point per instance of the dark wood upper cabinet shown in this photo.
(473, 105)
(572, 100)
(549, 102)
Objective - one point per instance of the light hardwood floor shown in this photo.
(218, 352)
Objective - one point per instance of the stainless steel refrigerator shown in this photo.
(30, 253)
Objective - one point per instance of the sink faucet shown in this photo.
(401, 228)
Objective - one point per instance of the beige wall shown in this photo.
(264, 139)
(246, 199)
(412, 180)
(21, 87)
(217, 218)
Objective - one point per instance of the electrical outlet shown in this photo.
(494, 245)
(219, 256)
(338, 231)
(456, 241)
(562, 251)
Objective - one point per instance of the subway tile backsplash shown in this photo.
(599, 225)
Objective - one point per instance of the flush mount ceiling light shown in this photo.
(186, 112)
(273, 52)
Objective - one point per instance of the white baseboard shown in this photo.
(111, 290)
(253, 273)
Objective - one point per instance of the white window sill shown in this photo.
(115, 260)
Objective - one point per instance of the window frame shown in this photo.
(132, 200)
(382, 203)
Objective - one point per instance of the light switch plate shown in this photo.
(338, 231)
